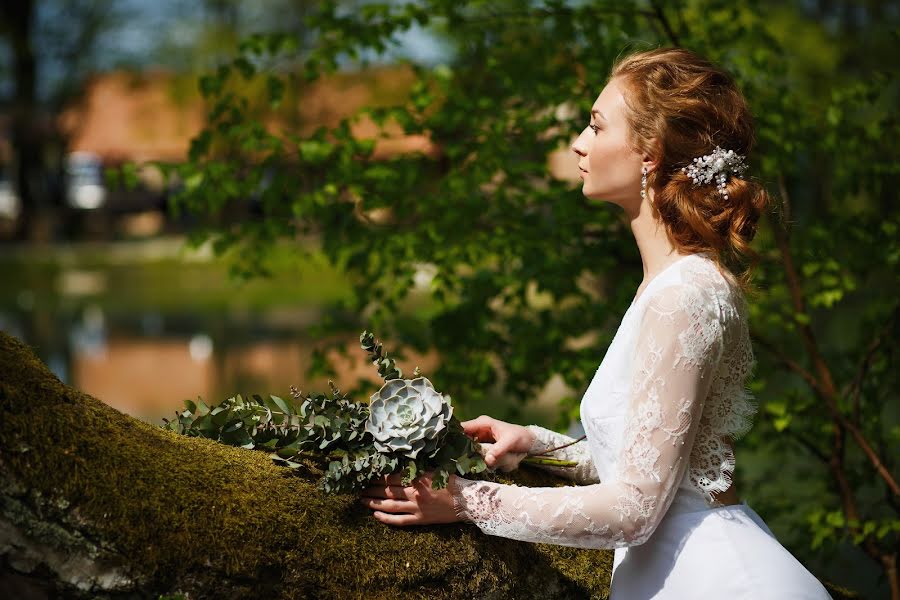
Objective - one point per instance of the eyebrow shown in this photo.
(600, 114)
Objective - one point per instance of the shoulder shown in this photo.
(697, 291)
(698, 309)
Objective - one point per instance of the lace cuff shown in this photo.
(462, 499)
(583, 473)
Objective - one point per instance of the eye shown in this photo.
(595, 128)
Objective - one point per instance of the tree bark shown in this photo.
(95, 503)
(17, 21)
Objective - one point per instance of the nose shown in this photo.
(578, 146)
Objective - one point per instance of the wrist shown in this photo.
(536, 444)
(455, 486)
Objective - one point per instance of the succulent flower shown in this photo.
(408, 416)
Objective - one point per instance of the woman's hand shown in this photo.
(509, 443)
(418, 504)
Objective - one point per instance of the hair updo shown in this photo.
(691, 106)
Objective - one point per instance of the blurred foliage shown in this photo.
(531, 279)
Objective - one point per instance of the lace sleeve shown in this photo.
(678, 348)
(582, 473)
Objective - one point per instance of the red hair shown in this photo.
(688, 106)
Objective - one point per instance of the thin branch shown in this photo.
(800, 439)
(661, 17)
(785, 206)
(855, 387)
(544, 13)
(549, 450)
(788, 362)
(825, 380)
(682, 24)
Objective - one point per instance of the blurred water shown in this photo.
(146, 364)
(143, 334)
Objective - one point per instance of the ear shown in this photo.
(652, 158)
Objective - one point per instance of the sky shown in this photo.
(152, 22)
(162, 33)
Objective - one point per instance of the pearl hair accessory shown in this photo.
(718, 165)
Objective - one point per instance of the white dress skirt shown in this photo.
(725, 552)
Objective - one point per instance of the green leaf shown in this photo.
(282, 405)
(202, 408)
(315, 151)
(245, 67)
(440, 480)
(802, 318)
(276, 90)
(781, 423)
(409, 473)
(835, 519)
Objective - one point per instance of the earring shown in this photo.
(643, 183)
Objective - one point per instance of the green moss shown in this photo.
(194, 516)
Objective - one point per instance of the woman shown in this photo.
(667, 141)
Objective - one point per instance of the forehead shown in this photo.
(611, 101)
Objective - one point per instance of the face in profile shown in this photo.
(610, 169)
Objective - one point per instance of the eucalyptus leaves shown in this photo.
(406, 427)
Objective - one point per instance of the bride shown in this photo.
(667, 141)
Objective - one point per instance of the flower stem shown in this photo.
(534, 460)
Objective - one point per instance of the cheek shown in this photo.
(604, 154)
(610, 153)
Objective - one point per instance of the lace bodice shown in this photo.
(658, 415)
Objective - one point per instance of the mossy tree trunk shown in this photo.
(94, 503)
(97, 504)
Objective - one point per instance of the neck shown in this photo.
(656, 251)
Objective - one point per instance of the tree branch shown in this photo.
(661, 17)
(855, 387)
(824, 379)
(800, 439)
(788, 362)
(208, 520)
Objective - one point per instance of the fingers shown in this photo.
(391, 503)
(390, 519)
(477, 423)
(401, 505)
(509, 461)
(479, 428)
(394, 492)
(391, 506)
(498, 450)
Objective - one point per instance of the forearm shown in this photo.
(593, 516)
(583, 473)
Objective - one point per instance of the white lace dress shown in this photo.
(657, 413)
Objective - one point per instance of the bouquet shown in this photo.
(407, 426)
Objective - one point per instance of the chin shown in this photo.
(594, 194)
(599, 197)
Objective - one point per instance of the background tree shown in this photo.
(49, 48)
(530, 278)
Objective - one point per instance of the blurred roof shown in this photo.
(153, 115)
